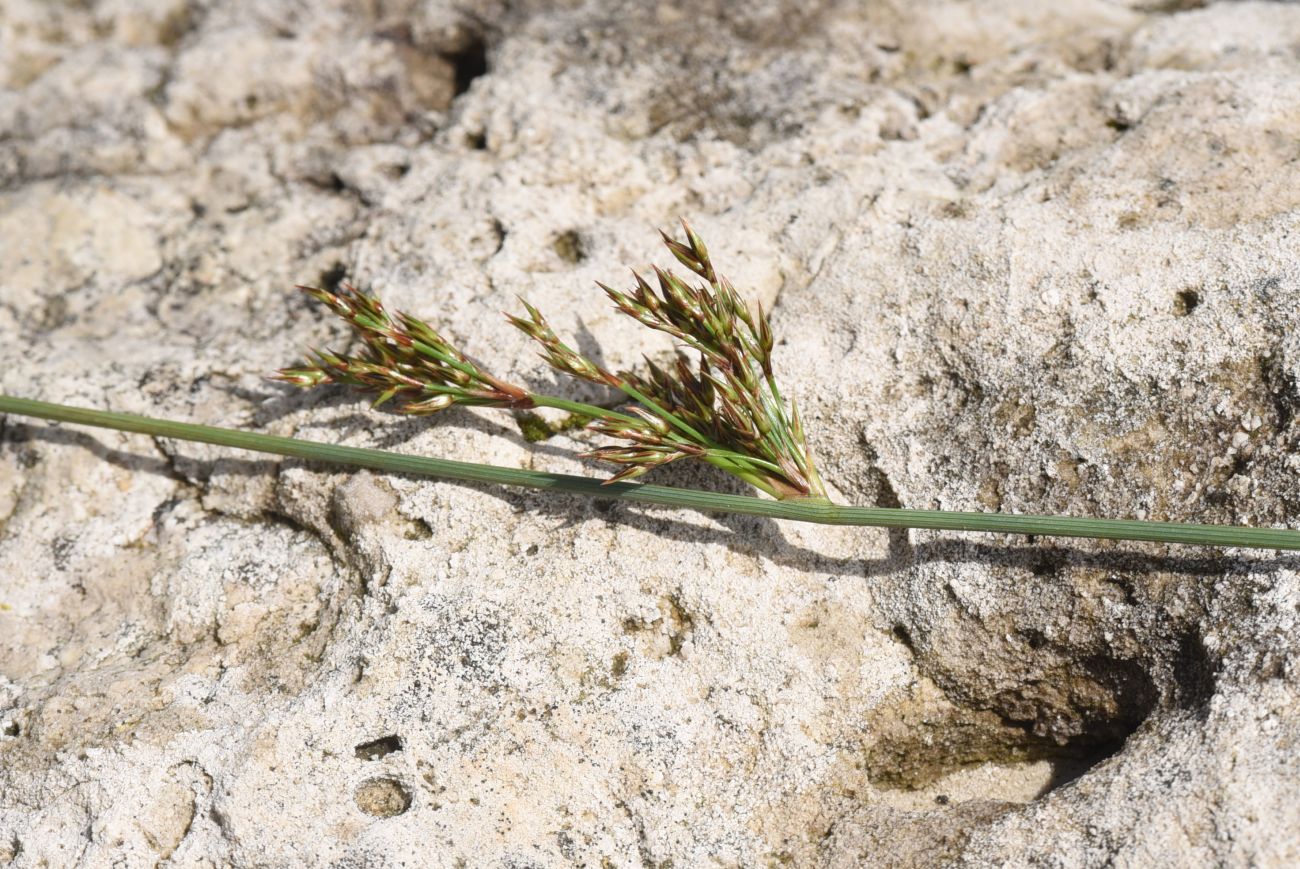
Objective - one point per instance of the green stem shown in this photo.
(715, 455)
(664, 414)
(735, 463)
(591, 410)
(803, 510)
(446, 359)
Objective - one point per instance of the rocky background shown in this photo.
(1021, 257)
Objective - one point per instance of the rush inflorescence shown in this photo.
(716, 401)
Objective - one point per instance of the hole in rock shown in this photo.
(568, 247)
(469, 62)
(1030, 738)
(377, 748)
(1195, 674)
(904, 636)
(332, 277)
(1185, 302)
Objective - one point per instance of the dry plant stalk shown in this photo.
(717, 402)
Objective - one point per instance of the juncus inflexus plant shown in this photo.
(717, 401)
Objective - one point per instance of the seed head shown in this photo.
(717, 401)
(400, 358)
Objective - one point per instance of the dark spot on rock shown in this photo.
(1033, 638)
(1195, 674)
(954, 208)
(55, 314)
(497, 233)
(332, 277)
(1172, 7)
(469, 62)
(904, 636)
(377, 748)
(62, 549)
(568, 247)
(382, 797)
(1047, 563)
(11, 728)
(618, 666)
(1186, 301)
(567, 847)
(176, 26)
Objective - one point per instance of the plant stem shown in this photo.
(804, 510)
(728, 460)
(577, 407)
(732, 462)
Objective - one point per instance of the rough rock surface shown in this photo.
(1022, 256)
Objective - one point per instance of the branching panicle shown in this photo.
(717, 401)
(729, 395)
(402, 359)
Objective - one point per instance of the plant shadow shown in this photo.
(397, 428)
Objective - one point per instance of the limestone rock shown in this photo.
(1020, 257)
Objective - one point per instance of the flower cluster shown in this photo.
(401, 358)
(717, 401)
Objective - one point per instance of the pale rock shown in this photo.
(1022, 257)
